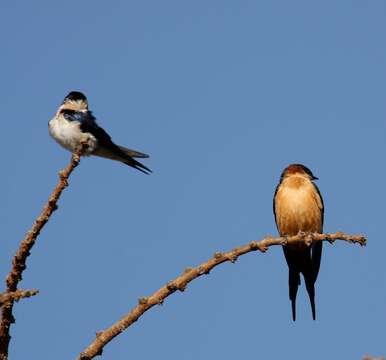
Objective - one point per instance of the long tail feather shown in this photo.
(316, 256)
(133, 153)
(137, 165)
(293, 283)
(306, 262)
(309, 280)
(292, 257)
(115, 152)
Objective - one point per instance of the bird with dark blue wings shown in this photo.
(74, 123)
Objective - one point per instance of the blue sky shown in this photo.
(223, 95)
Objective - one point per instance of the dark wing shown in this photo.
(274, 206)
(133, 153)
(316, 251)
(88, 125)
(321, 200)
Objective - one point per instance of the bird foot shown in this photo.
(306, 236)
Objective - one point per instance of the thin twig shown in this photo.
(180, 283)
(20, 258)
(16, 295)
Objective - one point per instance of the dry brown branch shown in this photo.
(20, 258)
(189, 274)
(16, 295)
(367, 357)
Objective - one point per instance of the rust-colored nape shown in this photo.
(297, 168)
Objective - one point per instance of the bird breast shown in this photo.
(298, 208)
(69, 135)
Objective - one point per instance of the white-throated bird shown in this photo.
(74, 123)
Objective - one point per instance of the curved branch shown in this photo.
(20, 259)
(180, 283)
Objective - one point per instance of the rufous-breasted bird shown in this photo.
(74, 123)
(298, 207)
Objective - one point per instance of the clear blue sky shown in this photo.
(222, 95)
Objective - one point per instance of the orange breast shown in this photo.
(298, 208)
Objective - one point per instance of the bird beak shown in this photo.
(315, 178)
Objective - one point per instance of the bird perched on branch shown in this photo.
(298, 207)
(74, 123)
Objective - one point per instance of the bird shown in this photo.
(298, 207)
(74, 123)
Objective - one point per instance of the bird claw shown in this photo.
(306, 237)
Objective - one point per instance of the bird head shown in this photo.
(75, 100)
(298, 170)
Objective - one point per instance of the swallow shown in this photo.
(298, 207)
(74, 123)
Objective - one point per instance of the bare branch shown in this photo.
(16, 295)
(20, 258)
(189, 274)
(367, 357)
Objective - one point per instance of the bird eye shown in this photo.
(67, 111)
